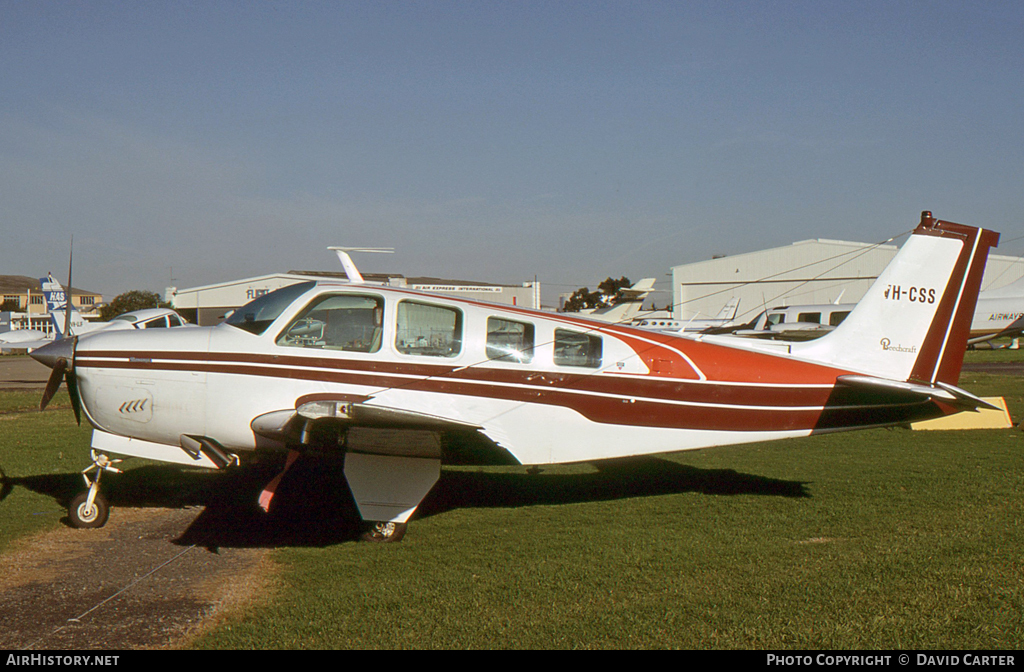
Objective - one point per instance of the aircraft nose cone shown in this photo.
(50, 353)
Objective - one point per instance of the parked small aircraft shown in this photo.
(57, 306)
(999, 313)
(723, 320)
(386, 375)
(794, 323)
(64, 319)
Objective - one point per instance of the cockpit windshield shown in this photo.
(257, 315)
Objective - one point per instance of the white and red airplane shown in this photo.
(385, 375)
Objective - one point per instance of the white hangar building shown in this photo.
(207, 305)
(806, 272)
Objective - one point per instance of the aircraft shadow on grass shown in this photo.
(313, 506)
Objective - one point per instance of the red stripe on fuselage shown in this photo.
(601, 397)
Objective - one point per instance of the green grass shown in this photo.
(879, 539)
(886, 539)
(37, 448)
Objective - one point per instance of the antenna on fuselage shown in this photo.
(354, 276)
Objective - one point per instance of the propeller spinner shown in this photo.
(60, 357)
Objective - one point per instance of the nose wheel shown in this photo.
(84, 514)
(90, 509)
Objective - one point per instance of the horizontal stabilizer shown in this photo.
(638, 290)
(942, 392)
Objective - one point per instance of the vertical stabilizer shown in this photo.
(627, 305)
(913, 323)
(62, 316)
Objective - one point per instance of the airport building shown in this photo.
(807, 272)
(20, 293)
(209, 304)
(22, 305)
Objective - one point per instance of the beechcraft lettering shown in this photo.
(399, 382)
(888, 346)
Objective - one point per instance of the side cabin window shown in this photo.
(509, 341)
(155, 324)
(427, 329)
(774, 318)
(349, 322)
(575, 349)
(814, 318)
(173, 321)
(836, 318)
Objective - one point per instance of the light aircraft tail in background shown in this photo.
(626, 307)
(56, 305)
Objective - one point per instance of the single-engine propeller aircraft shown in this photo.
(384, 375)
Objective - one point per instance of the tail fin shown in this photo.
(53, 294)
(626, 307)
(728, 311)
(913, 323)
(56, 305)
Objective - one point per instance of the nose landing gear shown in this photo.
(90, 509)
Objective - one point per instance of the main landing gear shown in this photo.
(90, 509)
(385, 532)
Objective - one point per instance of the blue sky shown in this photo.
(494, 141)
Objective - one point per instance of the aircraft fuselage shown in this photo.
(546, 387)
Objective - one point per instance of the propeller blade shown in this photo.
(76, 400)
(67, 295)
(53, 382)
(72, 380)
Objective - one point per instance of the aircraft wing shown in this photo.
(1014, 329)
(1009, 333)
(781, 334)
(362, 427)
(29, 346)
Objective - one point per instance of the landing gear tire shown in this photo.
(384, 532)
(82, 516)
